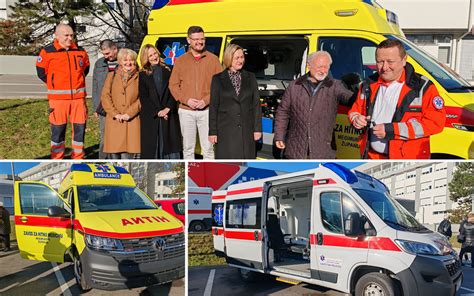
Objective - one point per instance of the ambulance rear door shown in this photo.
(43, 222)
(218, 199)
(243, 230)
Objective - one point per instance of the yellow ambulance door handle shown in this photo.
(24, 219)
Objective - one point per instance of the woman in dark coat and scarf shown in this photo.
(235, 116)
(160, 129)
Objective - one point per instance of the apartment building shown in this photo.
(425, 183)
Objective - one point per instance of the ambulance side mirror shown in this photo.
(352, 225)
(55, 211)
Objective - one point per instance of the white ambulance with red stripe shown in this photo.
(114, 233)
(218, 199)
(199, 208)
(336, 228)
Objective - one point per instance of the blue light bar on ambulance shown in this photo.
(343, 172)
(121, 170)
(80, 167)
(160, 4)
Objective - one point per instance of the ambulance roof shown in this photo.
(199, 190)
(96, 174)
(340, 174)
(219, 195)
(278, 15)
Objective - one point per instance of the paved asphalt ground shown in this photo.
(224, 280)
(28, 86)
(20, 277)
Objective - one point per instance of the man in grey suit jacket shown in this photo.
(102, 67)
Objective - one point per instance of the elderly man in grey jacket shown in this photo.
(102, 67)
(306, 116)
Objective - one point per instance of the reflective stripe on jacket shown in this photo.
(63, 71)
(419, 114)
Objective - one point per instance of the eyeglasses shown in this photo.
(198, 39)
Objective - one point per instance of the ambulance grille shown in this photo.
(143, 250)
(453, 267)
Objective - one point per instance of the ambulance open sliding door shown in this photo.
(243, 234)
(39, 236)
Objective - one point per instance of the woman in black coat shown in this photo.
(235, 116)
(160, 131)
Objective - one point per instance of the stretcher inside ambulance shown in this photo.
(277, 37)
(112, 231)
(336, 228)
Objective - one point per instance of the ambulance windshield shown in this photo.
(112, 198)
(390, 211)
(450, 80)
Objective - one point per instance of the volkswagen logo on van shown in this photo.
(159, 244)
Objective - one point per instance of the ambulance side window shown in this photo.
(331, 208)
(353, 58)
(331, 211)
(35, 199)
(243, 213)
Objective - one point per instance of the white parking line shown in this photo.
(62, 283)
(210, 281)
(470, 290)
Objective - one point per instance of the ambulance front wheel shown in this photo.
(376, 284)
(79, 275)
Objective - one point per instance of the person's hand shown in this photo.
(213, 139)
(280, 144)
(200, 104)
(164, 112)
(360, 121)
(125, 117)
(96, 115)
(192, 103)
(257, 136)
(118, 117)
(379, 131)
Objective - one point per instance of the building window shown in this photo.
(440, 200)
(426, 171)
(444, 54)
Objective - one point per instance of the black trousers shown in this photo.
(5, 239)
(467, 250)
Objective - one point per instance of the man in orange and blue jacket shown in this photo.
(63, 66)
(397, 108)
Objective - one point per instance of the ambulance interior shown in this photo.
(288, 227)
(276, 61)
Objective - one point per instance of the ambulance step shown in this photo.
(288, 281)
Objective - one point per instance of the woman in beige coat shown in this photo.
(120, 102)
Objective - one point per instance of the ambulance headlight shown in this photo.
(103, 243)
(417, 248)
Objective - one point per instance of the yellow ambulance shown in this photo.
(277, 37)
(113, 232)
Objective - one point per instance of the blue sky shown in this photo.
(5, 167)
(296, 166)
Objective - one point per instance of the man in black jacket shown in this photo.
(102, 67)
(4, 227)
(445, 227)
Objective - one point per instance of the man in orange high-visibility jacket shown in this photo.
(397, 108)
(63, 66)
